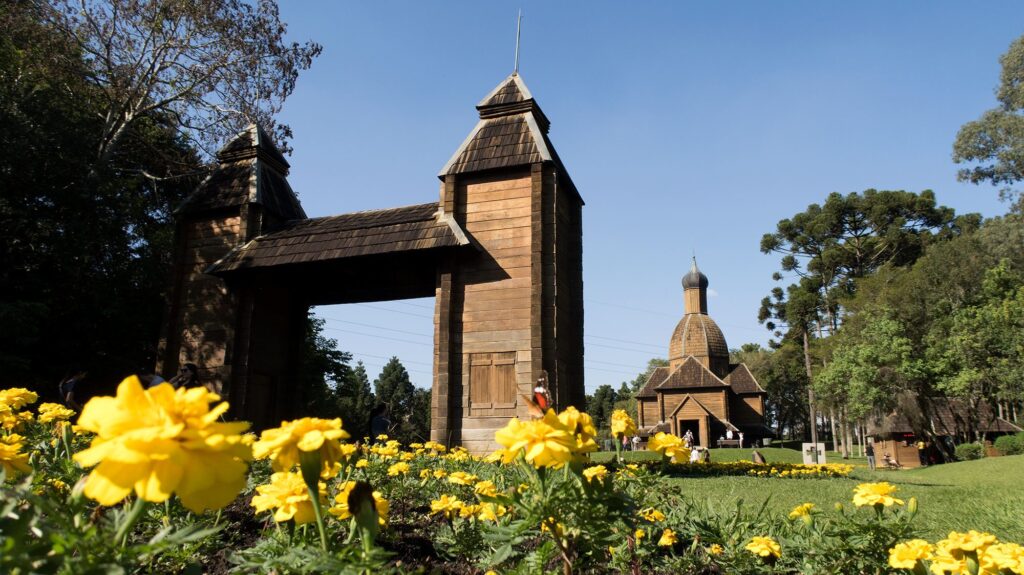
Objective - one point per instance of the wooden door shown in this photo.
(492, 384)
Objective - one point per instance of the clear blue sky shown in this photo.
(686, 126)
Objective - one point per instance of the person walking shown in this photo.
(869, 451)
(922, 455)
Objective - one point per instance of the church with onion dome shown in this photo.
(701, 391)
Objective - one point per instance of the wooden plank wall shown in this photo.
(492, 299)
(199, 323)
(568, 288)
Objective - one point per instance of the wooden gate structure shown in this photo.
(501, 253)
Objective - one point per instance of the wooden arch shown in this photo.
(501, 253)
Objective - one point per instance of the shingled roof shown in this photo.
(512, 132)
(251, 170)
(657, 376)
(691, 373)
(741, 380)
(949, 418)
(419, 227)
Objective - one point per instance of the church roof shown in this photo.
(697, 334)
(657, 376)
(691, 373)
(741, 380)
(694, 279)
(512, 132)
(393, 230)
(251, 170)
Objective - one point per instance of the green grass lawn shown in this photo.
(986, 495)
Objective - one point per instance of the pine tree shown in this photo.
(356, 401)
(395, 391)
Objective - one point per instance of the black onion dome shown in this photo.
(694, 279)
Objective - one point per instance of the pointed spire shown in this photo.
(695, 279)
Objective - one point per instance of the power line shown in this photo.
(380, 336)
(415, 333)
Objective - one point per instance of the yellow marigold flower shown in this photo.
(906, 555)
(651, 514)
(54, 412)
(491, 511)
(947, 561)
(491, 573)
(715, 549)
(382, 437)
(435, 446)
(469, 510)
(875, 494)
(446, 505)
(1002, 557)
(598, 472)
(415, 446)
(400, 468)
(341, 509)
(801, 511)
(546, 442)
(622, 424)
(161, 441)
(499, 455)
(13, 461)
(282, 445)
(347, 451)
(670, 446)
(17, 397)
(582, 427)
(440, 474)
(406, 456)
(425, 474)
(486, 488)
(668, 538)
(288, 495)
(461, 478)
(362, 463)
(970, 541)
(764, 547)
(639, 534)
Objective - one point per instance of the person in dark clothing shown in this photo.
(67, 388)
(188, 376)
(869, 451)
(379, 422)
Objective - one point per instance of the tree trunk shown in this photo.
(832, 426)
(810, 397)
(847, 436)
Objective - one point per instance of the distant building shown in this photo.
(700, 390)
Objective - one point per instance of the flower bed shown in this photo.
(154, 480)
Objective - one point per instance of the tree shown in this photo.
(982, 358)
(995, 142)
(357, 401)
(324, 369)
(82, 268)
(395, 391)
(211, 66)
(601, 404)
(830, 247)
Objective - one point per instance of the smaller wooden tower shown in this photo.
(210, 322)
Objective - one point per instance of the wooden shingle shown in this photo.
(393, 230)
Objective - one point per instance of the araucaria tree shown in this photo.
(829, 247)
